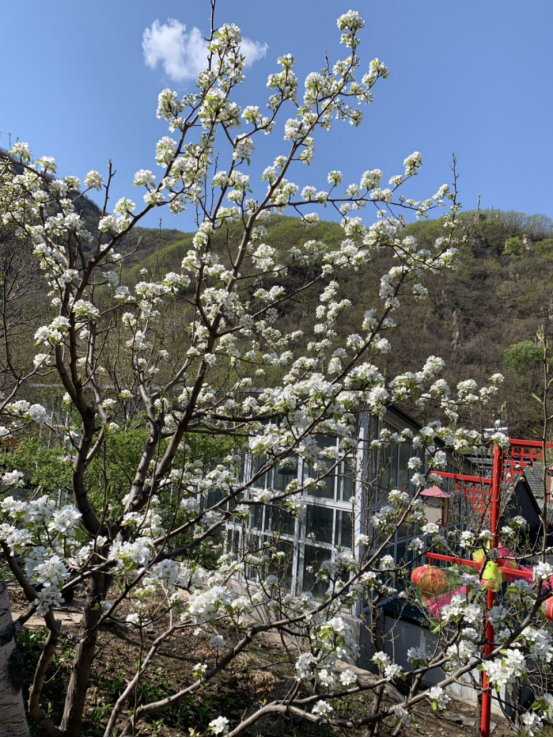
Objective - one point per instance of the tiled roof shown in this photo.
(435, 492)
(534, 479)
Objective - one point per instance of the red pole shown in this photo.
(497, 475)
(485, 721)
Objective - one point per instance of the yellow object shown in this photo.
(492, 577)
(478, 556)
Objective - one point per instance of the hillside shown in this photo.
(498, 298)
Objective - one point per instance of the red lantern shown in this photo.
(430, 580)
(548, 608)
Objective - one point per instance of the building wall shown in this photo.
(330, 522)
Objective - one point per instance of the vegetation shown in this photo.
(482, 316)
(179, 389)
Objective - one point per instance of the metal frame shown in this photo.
(485, 497)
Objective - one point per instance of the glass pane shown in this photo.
(282, 566)
(214, 496)
(280, 520)
(388, 467)
(328, 490)
(346, 481)
(241, 467)
(312, 559)
(390, 551)
(405, 453)
(233, 541)
(406, 530)
(257, 516)
(344, 530)
(319, 522)
(373, 453)
(329, 482)
(254, 544)
(257, 463)
(285, 473)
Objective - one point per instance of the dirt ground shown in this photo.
(257, 677)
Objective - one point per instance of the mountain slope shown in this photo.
(498, 297)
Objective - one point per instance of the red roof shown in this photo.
(435, 492)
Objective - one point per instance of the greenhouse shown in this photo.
(334, 517)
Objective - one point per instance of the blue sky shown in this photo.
(474, 77)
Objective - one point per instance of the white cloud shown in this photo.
(184, 55)
(253, 50)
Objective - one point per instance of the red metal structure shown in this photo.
(484, 495)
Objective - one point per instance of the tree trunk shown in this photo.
(84, 655)
(13, 720)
